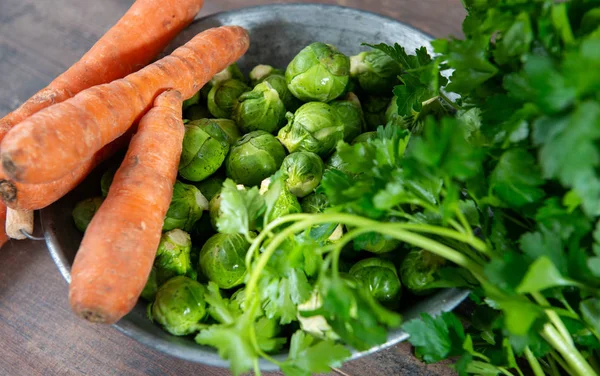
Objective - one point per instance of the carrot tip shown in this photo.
(8, 191)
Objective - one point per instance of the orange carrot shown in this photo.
(141, 34)
(118, 248)
(19, 196)
(52, 142)
(3, 236)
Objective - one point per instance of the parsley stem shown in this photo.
(553, 368)
(465, 224)
(339, 245)
(554, 318)
(449, 101)
(557, 359)
(533, 363)
(579, 366)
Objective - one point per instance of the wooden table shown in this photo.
(38, 333)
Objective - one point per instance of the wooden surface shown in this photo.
(38, 333)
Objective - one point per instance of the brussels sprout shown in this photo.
(149, 291)
(314, 203)
(350, 114)
(195, 99)
(318, 73)
(222, 260)
(275, 78)
(259, 109)
(262, 71)
(304, 172)
(196, 112)
(314, 127)
(210, 186)
(186, 207)
(364, 137)
(375, 71)
(202, 153)
(380, 277)
(419, 270)
(173, 256)
(374, 108)
(231, 72)
(256, 156)
(179, 306)
(218, 128)
(223, 97)
(106, 180)
(84, 212)
(376, 243)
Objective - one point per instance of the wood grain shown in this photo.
(38, 333)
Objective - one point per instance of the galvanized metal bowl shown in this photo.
(277, 32)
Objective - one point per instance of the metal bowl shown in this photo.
(277, 32)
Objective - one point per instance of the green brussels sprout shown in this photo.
(304, 172)
(186, 207)
(202, 153)
(151, 287)
(286, 203)
(350, 115)
(231, 72)
(256, 156)
(106, 180)
(262, 71)
(375, 71)
(223, 97)
(364, 137)
(318, 73)
(314, 203)
(193, 100)
(380, 277)
(173, 256)
(259, 109)
(210, 186)
(196, 112)
(222, 260)
(218, 128)
(374, 108)
(84, 212)
(314, 127)
(275, 78)
(179, 306)
(419, 270)
(376, 243)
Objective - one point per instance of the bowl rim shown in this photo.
(450, 298)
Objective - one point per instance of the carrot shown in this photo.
(141, 34)
(19, 196)
(52, 142)
(3, 236)
(118, 248)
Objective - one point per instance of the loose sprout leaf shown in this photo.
(240, 209)
(436, 338)
(516, 178)
(309, 356)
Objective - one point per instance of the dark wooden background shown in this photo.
(39, 39)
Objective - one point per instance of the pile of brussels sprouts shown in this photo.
(247, 130)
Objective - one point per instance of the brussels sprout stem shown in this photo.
(533, 363)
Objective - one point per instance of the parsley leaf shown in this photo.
(240, 209)
(436, 338)
(516, 178)
(309, 356)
